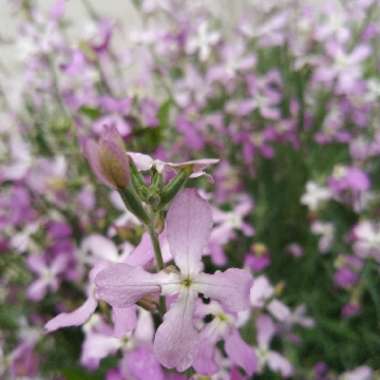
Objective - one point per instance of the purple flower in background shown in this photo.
(345, 278)
(48, 275)
(350, 309)
(258, 258)
(367, 240)
(266, 357)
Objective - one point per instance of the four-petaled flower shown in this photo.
(189, 223)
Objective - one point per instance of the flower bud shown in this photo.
(108, 159)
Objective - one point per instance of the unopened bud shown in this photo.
(108, 159)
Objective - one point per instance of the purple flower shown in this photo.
(350, 309)
(48, 275)
(266, 357)
(189, 222)
(222, 326)
(345, 278)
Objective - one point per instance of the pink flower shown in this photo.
(222, 326)
(189, 222)
(276, 362)
(48, 275)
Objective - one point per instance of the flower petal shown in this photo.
(189, 223)
(124, 320)
(37, 289)
(75, 318)
(99, 247)
(265, 330)
(240, 352)
(176, 339)
(143, 162)
(204, 362)
(280, 364)
(231, 288)
(96, 347)
(122, 285)
(141, 364)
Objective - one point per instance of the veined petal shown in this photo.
(231, 288)
(143, 162)
(124, 320)
(198, 166)
(141, 364)
(189, 223)
(240, 352)
(204, 362)
(122, 285)
(75, 318)
(176, 340)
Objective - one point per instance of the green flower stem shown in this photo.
(159, 261)
(156, 247)
(172, 188)
(134, 204)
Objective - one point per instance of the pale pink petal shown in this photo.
(142, 254)
(75, 318)
(100, 247)
(122, 285)
(124, 320)
(141, 364)
(265, 330)
(198, 166)
(279, 310)
(189, 223)
(59, 264)
(280, 364)
(143, 162)
(204, 362)
(36, 263)
(231, 288)
(144, 331)
(240, 353)
(37, 289)
(261, 291)
(96, 347)
(176, 339)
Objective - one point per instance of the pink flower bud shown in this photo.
(108, 159)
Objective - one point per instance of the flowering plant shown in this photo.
(194, 197)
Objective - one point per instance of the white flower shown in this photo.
(315, 195)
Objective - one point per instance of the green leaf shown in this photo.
(91, 112)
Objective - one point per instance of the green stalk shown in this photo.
(134, 204)
(156, 248)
